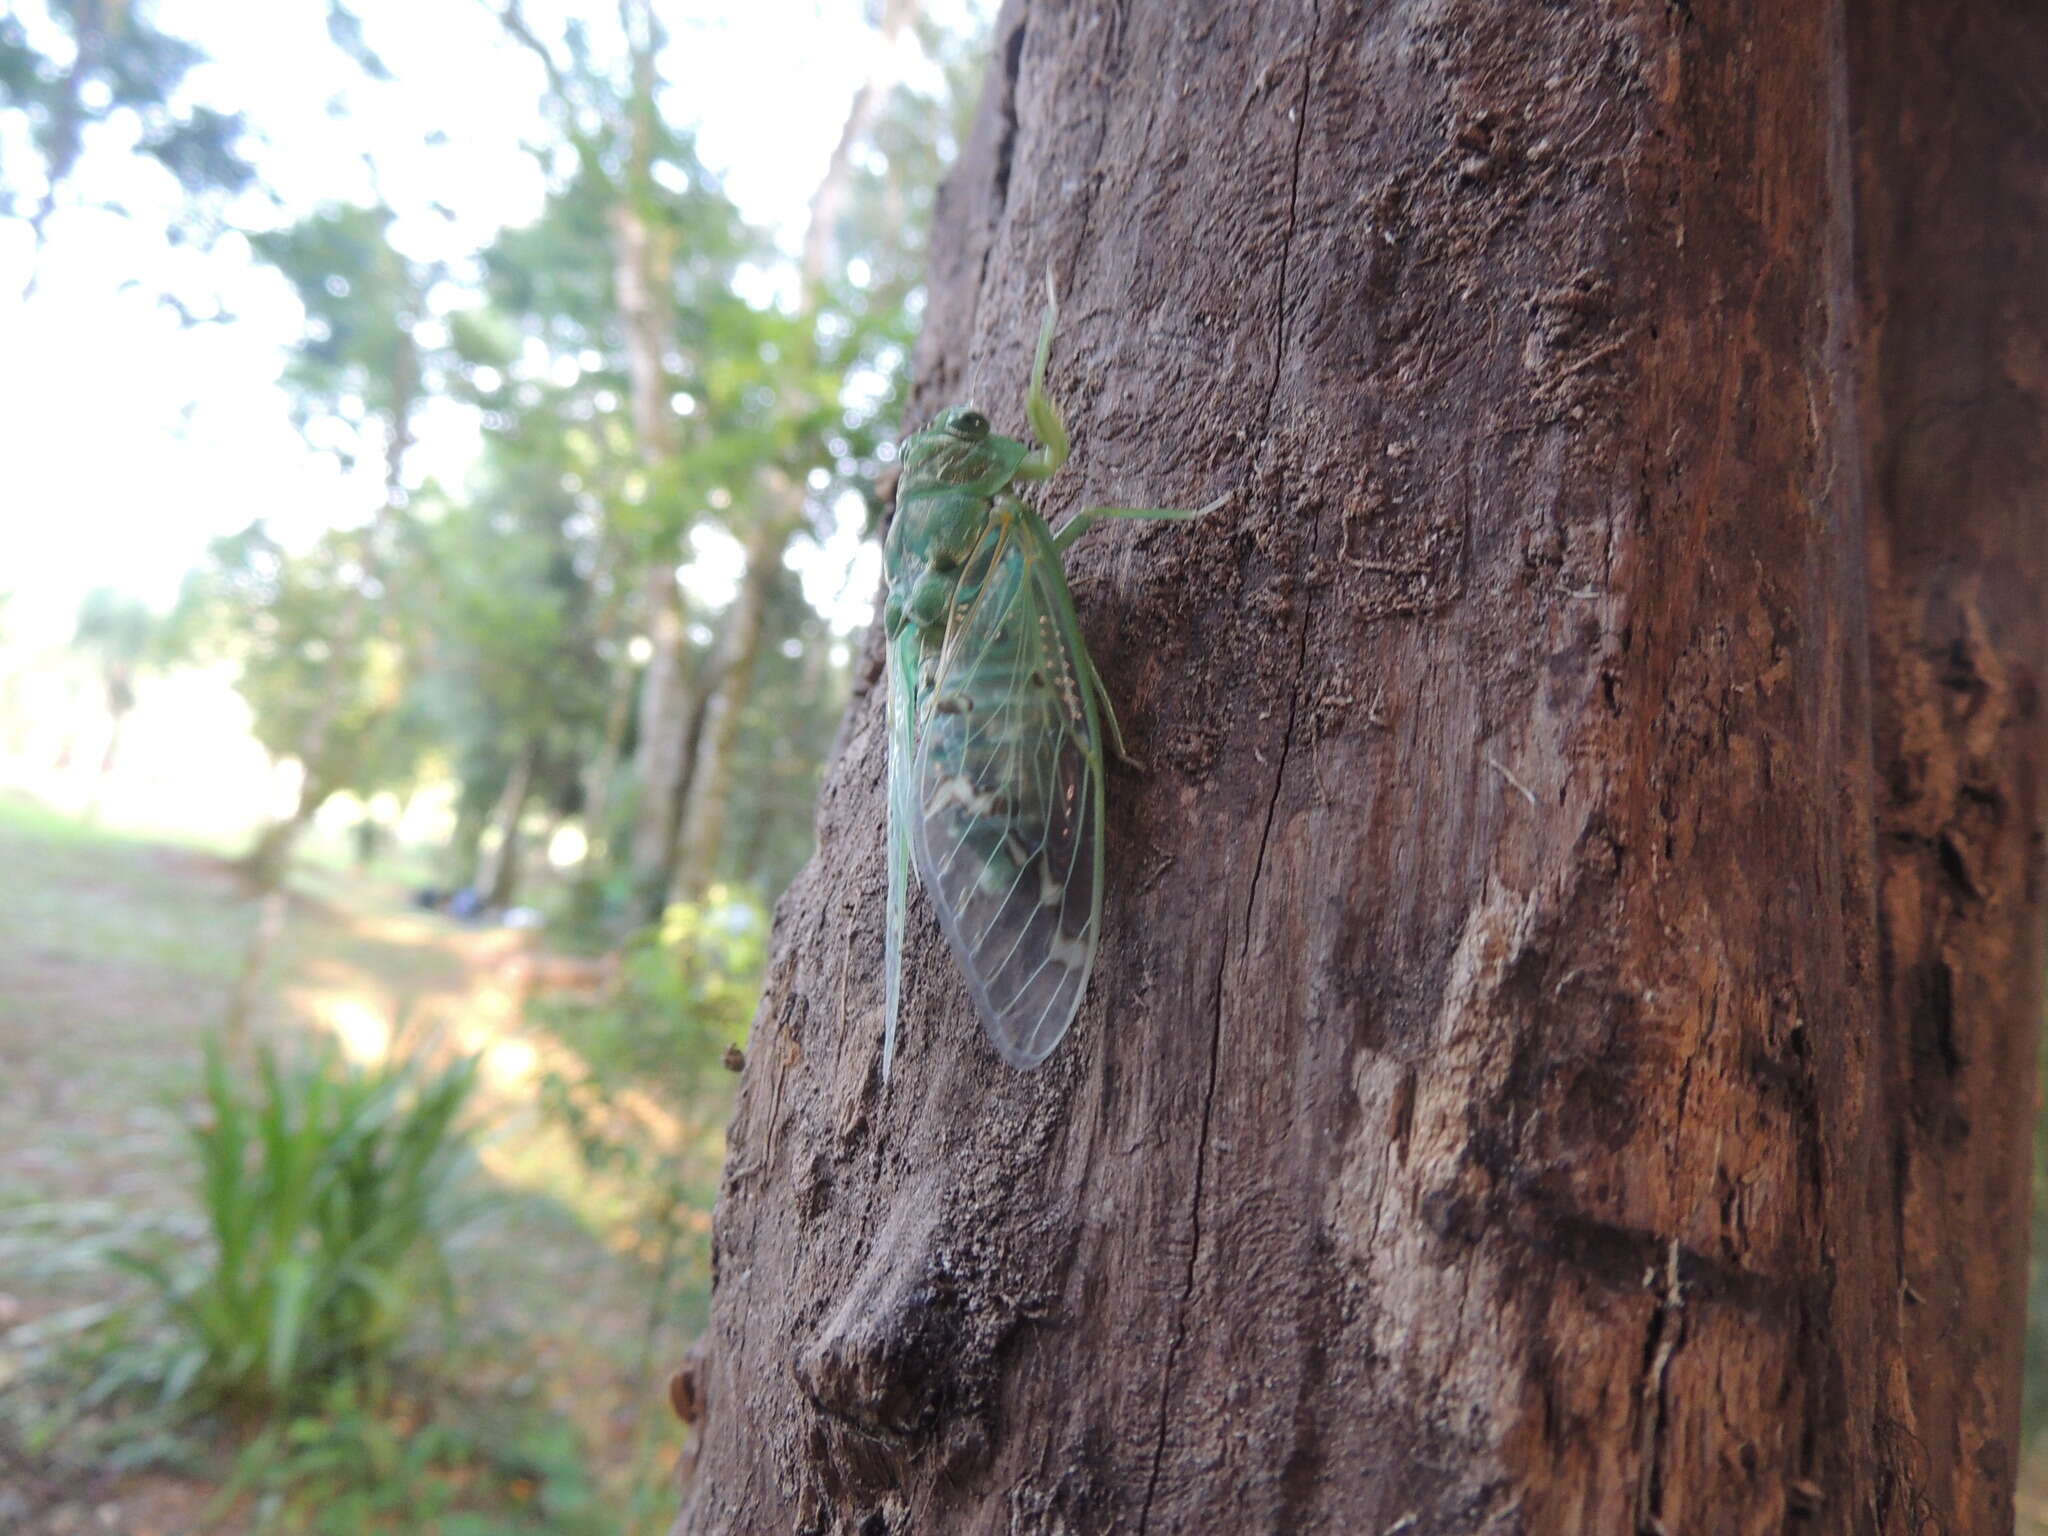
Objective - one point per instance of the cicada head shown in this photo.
(956, 452)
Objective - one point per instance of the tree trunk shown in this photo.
(498, 879)
(644, 274)
(727, 689)
(745, 626)
(1561, 1054)
(828, 201)
(269, 857)
(670, 691)
(603, 774)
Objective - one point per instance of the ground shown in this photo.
(117, 955)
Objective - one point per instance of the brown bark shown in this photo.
(1562, 1050)
(1952, 206)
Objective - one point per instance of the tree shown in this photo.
(319, 669)
(324, 686)
(842, 329)
(98, 64)
(118, 633)
(1562, 1051)
(672, 241)
(511, 670)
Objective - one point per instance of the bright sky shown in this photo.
(131, 439)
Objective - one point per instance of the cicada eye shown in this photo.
(970, 424)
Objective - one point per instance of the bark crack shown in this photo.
(1180, 1328)
(1006, 136)
(1315, 27)
(1187, 1289)
(1005, 157)
(1265, 429)
(1666, 1334)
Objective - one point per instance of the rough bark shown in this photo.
(1562, 1049)
(1951, 182)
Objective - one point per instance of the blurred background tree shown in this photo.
(117, 633)
(539, 608)
(98, 69)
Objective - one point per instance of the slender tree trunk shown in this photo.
(711, 787)
(270, 855)
(661, 762)
(604, 773)
(498, 880)
(1561, 1055)
(265, 866)
(728, 689)
(828, 202)
(644, 269)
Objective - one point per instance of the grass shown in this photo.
(118, 953)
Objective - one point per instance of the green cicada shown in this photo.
(996, 721)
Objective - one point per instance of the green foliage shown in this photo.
(367, 1460)
(360, 363)
(285, 617)
(98, 62)
(119, 634)
(116, 629)
(328, 1195)
(687, 990)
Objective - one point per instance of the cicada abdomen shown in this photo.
(1009, 791)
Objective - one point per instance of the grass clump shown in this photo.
(328, 1193)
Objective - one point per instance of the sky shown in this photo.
(132, 438)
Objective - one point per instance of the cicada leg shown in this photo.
(1081, 522)
(1116, 731)
(1042, 463)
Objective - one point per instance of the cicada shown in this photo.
(997, 721)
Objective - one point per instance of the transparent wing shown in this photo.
(902, 668)
(1007, 823)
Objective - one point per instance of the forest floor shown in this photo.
(118, 954)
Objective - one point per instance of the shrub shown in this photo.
(327, 1194)
(687, 990)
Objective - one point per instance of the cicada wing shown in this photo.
(1007, 827)
(902, 670)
